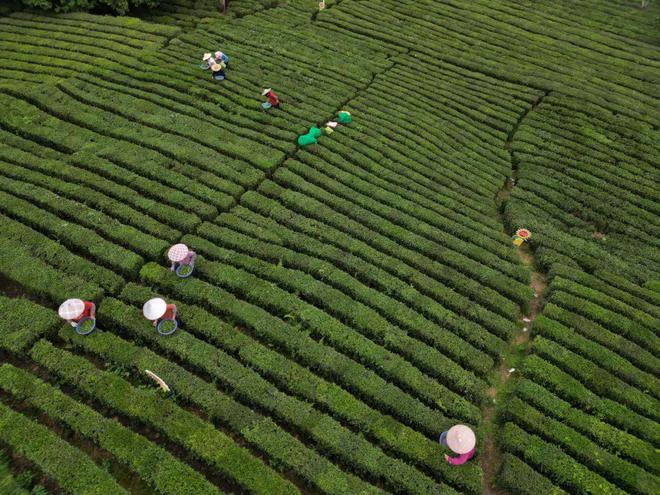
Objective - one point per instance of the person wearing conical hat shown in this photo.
(180, 254)
(157, 309)
(218, 71)
(208, 58)
(221, 56)
(272, 97)
(74, 310)
(461, 440)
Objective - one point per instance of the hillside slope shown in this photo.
(351, 299)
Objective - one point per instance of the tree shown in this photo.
(117, 6)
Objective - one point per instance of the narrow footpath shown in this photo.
(490, 456)
(501, 385)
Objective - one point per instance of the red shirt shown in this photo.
(272, 98)
(87, 311)
(170, 312)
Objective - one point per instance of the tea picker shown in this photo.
(206, 65)
(461, 440)
(182, 259)
(210, 59)
(521, 235)
(161, 315)
(344, 117)
(310, 138)
(273, 100)
(222, 57)
(217, 68)
(218, 72)
(80, 314)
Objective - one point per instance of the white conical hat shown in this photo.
(461, 439)
(265, 91)
(178, 252)
(154, 308)
(206, 57)
(71, 308)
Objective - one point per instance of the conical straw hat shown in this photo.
(206, 57)
(178, 252)
(216, 67)
(461, 439)
(71, 308)
(154, 308)
(266, 91)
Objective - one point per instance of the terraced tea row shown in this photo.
(584, 397)
(351, 299)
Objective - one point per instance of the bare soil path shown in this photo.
(490, 456)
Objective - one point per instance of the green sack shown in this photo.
(344, 118)
(306, 140)
(314, 131)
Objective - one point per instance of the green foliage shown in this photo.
(11, 484)
(351, 299)
(182, 427)
(71, 468)
(296, 380)
(284, 449)
(552, 462)
(617, 441)
(621, 473)
(310, 318)
(519, 479)
(346, 309)
(156, 466)
(22, 322)
(570, 389)
(117, 6)
(49, 252)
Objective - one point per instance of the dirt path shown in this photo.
(490, 457)
(501, 378)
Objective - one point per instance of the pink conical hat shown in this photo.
(71, 308)
(461, 439)
(178, 252)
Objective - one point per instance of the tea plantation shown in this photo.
(351, 299)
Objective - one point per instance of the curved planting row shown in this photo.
(394, 311)
(163, 471)
(23, 322)
(328, 436)
(359, 317)
(512, 53)
(90, 181)
(573, 169)
(428, 298)
(351, 298)
(283, 449)
(588, 390)
(71, 138)
(68, 466)
(386, 240)
(178, 425)
(69, 44)
(292, 335)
